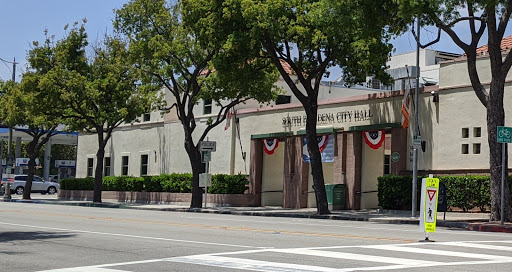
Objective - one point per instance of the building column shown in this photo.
(353, 161)
(295, 191)
(17, 154)
(255, 172)
(340, 161)
(398, 145)
(47, 157)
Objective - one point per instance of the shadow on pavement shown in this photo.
(10, 236)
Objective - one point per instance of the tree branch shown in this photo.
(276, 60)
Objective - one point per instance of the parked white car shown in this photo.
(38, 185)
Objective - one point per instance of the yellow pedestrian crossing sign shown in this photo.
(430, 207)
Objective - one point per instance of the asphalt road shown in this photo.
(42, 237)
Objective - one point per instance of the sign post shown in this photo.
(429, 200)
(504, 137)
(206, 148)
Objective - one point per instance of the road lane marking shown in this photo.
(222, 259)
(431, 251)
(84, 269)
(479, 246)
(354, 256)
(248, 264)
(130, 236)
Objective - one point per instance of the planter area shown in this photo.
(241, 200)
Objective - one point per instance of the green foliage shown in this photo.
(227, 184)
(462, 192)
(77, 183)
(177, 183)
(95, 90)
(173, 183)
(395, 192)
(123, 183)
(173, 48)
(154, 183)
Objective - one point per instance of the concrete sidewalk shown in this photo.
(468, 221)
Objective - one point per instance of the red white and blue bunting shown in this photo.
(374, 139)
(325, 145)
(270, 145)
(322, 142)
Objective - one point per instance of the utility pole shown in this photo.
(8, 168)
(416, 125)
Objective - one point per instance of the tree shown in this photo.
(99, 92)
(25, 105)
(310, 37)
(166, 48)
(491, 17)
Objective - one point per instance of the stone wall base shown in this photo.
(240, 200)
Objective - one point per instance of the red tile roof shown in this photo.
(286, 67)
(506, 44)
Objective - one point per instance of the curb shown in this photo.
(490, 228)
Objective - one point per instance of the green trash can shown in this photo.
(335, 196)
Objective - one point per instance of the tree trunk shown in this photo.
(316, 160)
(195, 162)
(33, 154)
(98, 172)
(495, 118)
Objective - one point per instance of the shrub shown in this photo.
(226, 184)
(153, 183)
(176, 183)
(77, 183)
(123, 183)
(463, 192)
(395, 192)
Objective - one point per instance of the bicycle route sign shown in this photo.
(504, 135)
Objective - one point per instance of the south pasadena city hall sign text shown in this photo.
(330, 118)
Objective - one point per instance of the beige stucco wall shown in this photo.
(132, 141)
(459, 108)
(372, 167)
(273, 177)
(328, 169)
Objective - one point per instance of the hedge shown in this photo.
(173, 183)
(77, 183)
(226, 184)
(463, 192)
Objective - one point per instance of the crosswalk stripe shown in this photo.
(248, 264)
(480, 246)
(354, 256)
(439, 252)
(84, 269)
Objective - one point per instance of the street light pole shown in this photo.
(416, 125)
(8, 168)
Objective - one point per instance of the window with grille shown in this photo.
(207, 106)
(124, 165)
(90, 167)
(106, 167)
(144, 165)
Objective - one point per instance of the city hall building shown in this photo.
(360, 135)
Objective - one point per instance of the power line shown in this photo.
(4, 62)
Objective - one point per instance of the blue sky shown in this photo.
(23, 21)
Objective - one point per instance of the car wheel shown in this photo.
(52, 190)
(19, 190)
